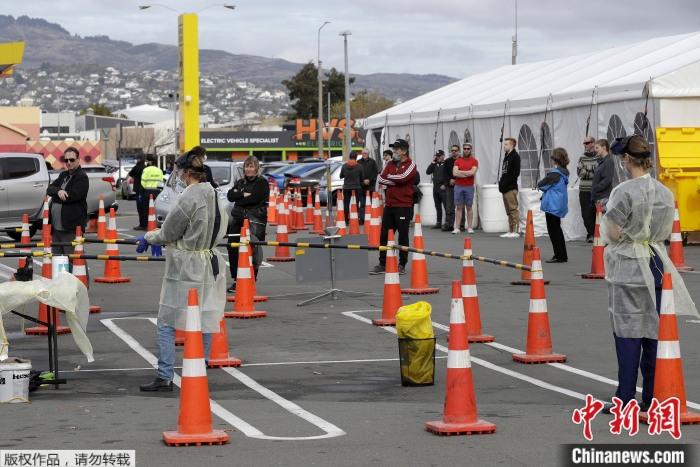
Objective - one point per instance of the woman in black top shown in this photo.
(250, 195)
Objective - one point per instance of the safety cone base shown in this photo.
(533, 359)
(452, 429)
(174, 438)
(685, 268)
(480, 339)
(224, 362)
(113, 280)
(256, 299)
(687, 418)
(593, 275)
(280, 259)
(245, 314)
(95, 309)
(384, 322)
(43, 330)
(179, 342)
(526, 282)
(421, 291)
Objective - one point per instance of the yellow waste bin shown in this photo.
(679, 161)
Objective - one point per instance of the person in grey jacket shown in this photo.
(585, 169)
(352, 174)
(604, 173)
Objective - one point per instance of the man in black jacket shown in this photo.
(439, 189)
(250, 195)
(68, 202)
(508, 186)
(141, 201)
(370, 172)
(352, 174)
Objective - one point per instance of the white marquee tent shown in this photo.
(611, 86)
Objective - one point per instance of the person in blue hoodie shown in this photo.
(555, 202)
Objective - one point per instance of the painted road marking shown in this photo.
(331, 431)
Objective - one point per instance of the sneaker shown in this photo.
(446, 228)
(158, 385)
(378, 269)
(402, 269)
(138, 227)
(514, 235)
(505, 235)
(470, 230)
(231, 289)
(437, 227)
(455, 231)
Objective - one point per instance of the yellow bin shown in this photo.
(679, 160)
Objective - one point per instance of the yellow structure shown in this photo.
(679, 160)
(188, 41)
(10, 56)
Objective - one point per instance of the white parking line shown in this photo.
(331, 431)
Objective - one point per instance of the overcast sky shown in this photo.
(452, 37)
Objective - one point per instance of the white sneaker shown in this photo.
(470, 231)
(514, 235)
(505, 235)
(455, 231)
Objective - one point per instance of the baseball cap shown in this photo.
(440, 152)
(399, 143)
(634, 145)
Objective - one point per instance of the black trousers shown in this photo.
(556, 235)
(440, 204)
(398, 220)
(257, 232)
(361, 203)
(587, 211)
(347, 196)
(142, 207)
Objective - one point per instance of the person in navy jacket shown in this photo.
(555, 202)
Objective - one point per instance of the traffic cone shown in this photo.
(539, 339)
(676, 246)
(218, 355)
(528, 245)
(354, 227)
(298, 212)
(318, 217)
(179, 337)
(668, 376)
(151, 214)
(272, 205)
(194, 424)
(101, 221)
(392, 287)
(309, 208)
(597, 264)
(80, 266)
(243, 306)
(340, 214)
(419, 266)
(113, 270)
(289, 211)
(367, 223)
(43, 316)
(375, 222)
(245, 237)
(24, 239)
(470, 298)
(282, 253)
(460, 415)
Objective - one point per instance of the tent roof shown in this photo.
(669, 63)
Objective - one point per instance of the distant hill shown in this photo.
(50, 43)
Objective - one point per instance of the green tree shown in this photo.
(363, 104)
(97, 109)
(302, 89)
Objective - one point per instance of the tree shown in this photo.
(302, 89)
(363, 104)
(97, 109)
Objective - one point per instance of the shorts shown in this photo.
(464, 195)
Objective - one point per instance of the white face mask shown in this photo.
(179, 184)
(396, 157)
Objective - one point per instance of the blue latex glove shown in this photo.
(156, 250)
(142, 244)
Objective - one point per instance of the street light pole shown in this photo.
(515, 36)
(319, 122)
(346, 132)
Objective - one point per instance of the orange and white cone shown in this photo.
(298, 212)
(151, 214)
(460, 415)
(470, 298)
(528, 246)
(309, 220)
(272, 205)
(243, 305)
(245, 237)
(392, 287)
(354, 227)
(46, 273)
(375, 223)
(419, 265)
(25, 238)
(675, 250)
(282, 253)
(668, 376)
(219, 354)
(367, 219)
(101, 221)
(194, 425)
(179, 337)
(340, 214)
(113, 270)
(318, 217)
(80, 266)
(597, 260)
(539, 338)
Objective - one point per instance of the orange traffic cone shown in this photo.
(460, 415)
(471, 297)
(309, 220)
(668, 376)
(179, 337)
(151, 214)
(367, 219)
(375, 222)
(80, 266)
(289, 209)
(46, 273)
(282, 253)
(392, 287)
(24, 239)
(340, 214)
(298, 212)
(354, 227)
(272, 205)
(529, 244)
(245, 237)
(676, 247)
(539, 338)
(243, 306)
(419, 266)
(194, 425)
(318, 217)
(597, 264)
(113, 270)
(218, 355)
(101, 221)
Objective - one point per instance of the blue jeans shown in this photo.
(166, 345)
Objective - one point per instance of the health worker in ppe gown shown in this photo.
(196, 223)
(638, 218)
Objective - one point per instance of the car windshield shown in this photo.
(301, 169)
(222, 175)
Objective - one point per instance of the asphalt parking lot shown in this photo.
(321, 386)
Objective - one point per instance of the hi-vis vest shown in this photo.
(151, 177)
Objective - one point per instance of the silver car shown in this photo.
(225, 175)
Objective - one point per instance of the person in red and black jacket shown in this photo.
(397, 180)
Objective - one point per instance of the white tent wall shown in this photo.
(683, 112)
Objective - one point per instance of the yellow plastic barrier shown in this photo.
(679, 161)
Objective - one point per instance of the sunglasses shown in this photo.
(588, 142)
(70, 160)
(466, 149)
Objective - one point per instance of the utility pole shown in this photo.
(515, 36)
(347, 130)
(319, 122)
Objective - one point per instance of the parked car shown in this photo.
(336, 185)
(267, 167)
(225, 174)
(24, 179)
(310, 179)
(280, 175)
(120, 174)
